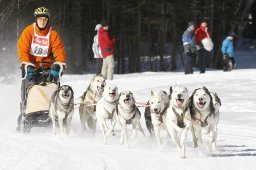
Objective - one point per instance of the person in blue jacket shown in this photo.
(228, 52)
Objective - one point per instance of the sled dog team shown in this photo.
(176, 113)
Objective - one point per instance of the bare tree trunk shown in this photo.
(218, 37)
(160, 38)
(242, 22)
(138, 63)
(76, 41)
(174, 40)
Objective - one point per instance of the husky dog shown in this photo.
(158, 103)
(178, 119)
(88, 101)
(128, 113)
(105, 109)
(62, 109)
(204, 108)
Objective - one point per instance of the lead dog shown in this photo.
(106, 108)
(178, 119)
(128, 113)
(204, 108)
(62, 109)
(158, 104)
(88, 102)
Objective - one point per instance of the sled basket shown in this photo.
(39, 98)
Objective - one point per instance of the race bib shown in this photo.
(40, 44)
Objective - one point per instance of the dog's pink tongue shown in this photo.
(112, 95)
(200, 105)
(179, 102)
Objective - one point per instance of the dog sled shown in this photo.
(35, 99)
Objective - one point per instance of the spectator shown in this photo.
(228, 52)
(201, 33)
(107, 51)
(96, 50)
(188, 39)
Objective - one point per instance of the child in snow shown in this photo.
(228, 52)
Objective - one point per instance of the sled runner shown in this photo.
(34, 107)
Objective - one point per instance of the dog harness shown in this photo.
(202, 123)
(115, 103)
(92, 104)
(128, 121)
(180, 121)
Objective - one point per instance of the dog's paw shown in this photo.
(121, 142)
(182, 157)
(134, 135)
(127, 146)
(195, 145)
(105, 141)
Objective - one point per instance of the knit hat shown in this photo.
(232, 34)
(105, 23)
(203, 21)
(97, 27)
(190, 23)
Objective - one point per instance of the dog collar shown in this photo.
(127, 120)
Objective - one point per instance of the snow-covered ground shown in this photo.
(236, 144)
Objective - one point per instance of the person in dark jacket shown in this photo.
(189, 44)
(107, 51)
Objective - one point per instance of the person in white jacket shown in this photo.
(97, 51)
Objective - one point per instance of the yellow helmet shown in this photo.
(42, 11)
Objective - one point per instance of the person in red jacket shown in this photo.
(201, 33)
(107, 50)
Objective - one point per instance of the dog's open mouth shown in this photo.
(127, 101)
(65, 95)
(200, 104)
(112, 95)
(179, 102)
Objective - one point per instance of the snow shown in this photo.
(236, 143)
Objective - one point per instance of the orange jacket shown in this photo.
(56, 46)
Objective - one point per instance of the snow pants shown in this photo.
(108, 67)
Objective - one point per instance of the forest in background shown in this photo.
(146, 30)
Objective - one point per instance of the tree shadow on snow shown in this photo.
(234, 150)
